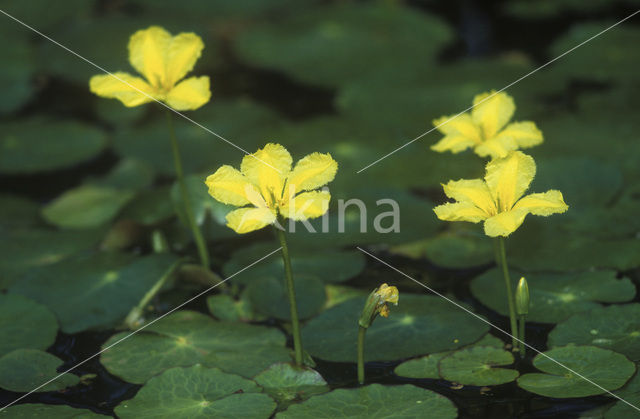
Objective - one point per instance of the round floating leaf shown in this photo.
(128, 174)
(476, 366)
(25, 324)
(608, 369)
(328, 265)
(22, 250)
(420, 324)
(554, 297)
(242, 122)
(25, 369)
(583, 181)
(269, 296)
(333, 45)
(615, 327)
(405, 401)
(187, 338)
(17, 212)
(16, 73)
(26, 150)
(427, 366)
(287, 383)
(224, 307)
(608, 58)
(197, 392)
(97, 290)
(629, 393)
(150, 206)
(452, 249)
(86, 206)
(48, 411)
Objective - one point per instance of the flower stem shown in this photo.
(295, 323)
(502, 261)
(177, 161)
(361, 334)
(521, 337)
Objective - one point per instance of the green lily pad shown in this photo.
(328, 265)
(339, 43)
(476, 366)
(537, 246)
(197, 392)
(25, 324)
(606, 368)
(86, 206)
(48, 411)
(226, 308)
(405, 401)
(150, 206)
(242, 122)
(287, 383)
(67, 143)
(615, 327)
(17, 72)
(22, 250)
(423, 323)
(427, 366)
(608, 58)
(187, 338)
(97, 290)
(629, 393)
(269, 296)
(456, 249)
(554, 297)
(17, 212)
(67, 11)
(583, 181)
(25, 369)
(128, 174)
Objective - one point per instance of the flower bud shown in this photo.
(377, 304)
(522, 297)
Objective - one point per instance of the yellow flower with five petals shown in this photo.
(163, 60)
(498, 198)
(270, 188)
(485, 129)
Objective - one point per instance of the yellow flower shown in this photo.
(386, 294)
(497, 200)
(273, 189)
(163, 60)
(484, 129)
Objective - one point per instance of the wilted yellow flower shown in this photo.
(388, 294)
(267, 183)
(497, 200)
(163, 60)
(484, 128)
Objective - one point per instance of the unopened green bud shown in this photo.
(522, 297)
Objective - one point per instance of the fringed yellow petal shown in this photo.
(245, 220)
(268, 168)
(460, 211)
(472, 191)
(461, 125)
(492, 111)
(307, 205)
(504, 223)
(453, 143)
(496, 147)
(189, 94)
(183, 52)
(148, 53)
(229, 186)
(122, 86)
(545, 204)
(509, 178)
(312, 172)
(524, 134)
